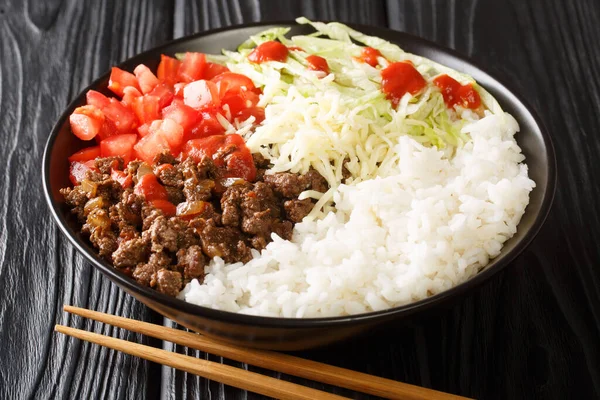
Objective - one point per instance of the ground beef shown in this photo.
(191, 261)
(129, 208)
(168, 175)
(175, 195)
(216, 217)
(130, 253)
(286, 184)
(164, 158)
(107, 164)
(260, 161)
(195, 190)
(225, 242)
(168, 282)
(162, 235)
(315, 181)
(295, 210)
(76, 199)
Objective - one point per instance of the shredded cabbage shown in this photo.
(342, 121)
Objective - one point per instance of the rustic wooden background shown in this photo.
(532, 332)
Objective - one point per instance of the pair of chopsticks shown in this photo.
(240, 378)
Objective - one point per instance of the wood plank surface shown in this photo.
(533, 331)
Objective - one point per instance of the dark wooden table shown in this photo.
(532, 332)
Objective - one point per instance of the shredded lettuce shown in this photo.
(342, 119)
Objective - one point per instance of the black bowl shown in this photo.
(286, 333)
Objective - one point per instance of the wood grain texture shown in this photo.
(49, 51)
(531, 332)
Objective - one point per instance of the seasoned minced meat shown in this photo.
(175, 194)
(168, 282)
(315, 181)
(225, 242)
(162, 235)
(168, 175)
(164, 158)
(286, 184)
(217, 217)
(296, 210)
(145, 273)
(260, 161)
(191, 261)
(130, 208)
(130, 253)
(198, 190)
(76, 199)
(107, 164)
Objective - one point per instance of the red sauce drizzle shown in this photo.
(369, 55)
(317, 63)
(269, 51)
(400, 78)
(456, 94)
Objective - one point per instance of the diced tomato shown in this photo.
(240, 164)
(146, 108)
(87, 154)
(86, 122)
(256, 112)
(146, 79)
(121, 177)
(122, 116)
(295, 48)
(120, 79)
(108, 129)
(192, 68)
(143, 130)
(97, 99)
(150, 145)
(168, 208)
(200, 94)
(208, 125)
(269, 51)
(164, 93)
(229, 153)
(234, 102)
(232, 82)
(149, 187)
(168, 70)
(129, 94)
(77, 170)
(214, 69)
(118, 146)
(170, 130)
(182, 114)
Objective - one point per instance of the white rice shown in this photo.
(393, 240)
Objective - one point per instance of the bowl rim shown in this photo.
(132, 286)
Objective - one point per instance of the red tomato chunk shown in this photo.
(149, 187)
(160, 113)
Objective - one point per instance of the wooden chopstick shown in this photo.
(280, 362)
(208, 369)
